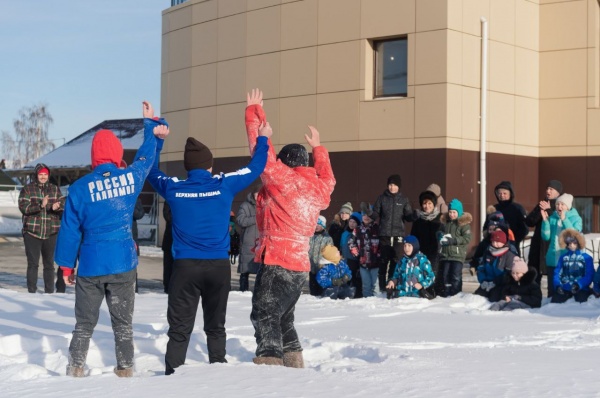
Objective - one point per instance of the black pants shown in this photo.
(276, 292)
(581, 296)
(356, 280)
(244, 281)
(33, 248)
(191, 280)
(167, 268)
(452, 274)
(550, 280)
(313, 286)
(391, 249)
(118, 290)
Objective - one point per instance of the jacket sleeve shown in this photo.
(585, 281)
(427, 275)
(463, 237)
(138, 210)
(345, 270)
(534, 217)
(146, 155)
(323, 277)
(69, 235)
(26, 205)
(521, 230)
(244, 219)
(377, 208)
(241, 179)
(573, 220)
(557, 272)
(597, 281)
(534, 296)
(546, 229)
(408, 214)
(325, 174)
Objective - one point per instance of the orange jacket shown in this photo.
(289, 203)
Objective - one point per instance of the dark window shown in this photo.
(176, 2)
(391, 67)
(585, 208)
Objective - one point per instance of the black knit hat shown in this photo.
(394, 179)
(427, 195)
(196, 155)
(293, 155)
(556, 185)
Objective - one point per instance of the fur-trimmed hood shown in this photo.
(528, 277)
(573, 233)
(465, 219)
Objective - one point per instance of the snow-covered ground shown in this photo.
(353, 348)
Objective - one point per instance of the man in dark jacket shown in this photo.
(200, 209)
(392, 210)
(40, 204)
(539, 247)
(513, 212)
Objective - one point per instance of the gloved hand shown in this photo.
(391, 293)
(515, 297)
(345, 279)
(560, 290)
(575, 287)
(444, 239)
(483, 285)
(337, 282)
(487, 286)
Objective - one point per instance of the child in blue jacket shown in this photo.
(495, 265)
(575, 269)
(334, 275)
(413, 275)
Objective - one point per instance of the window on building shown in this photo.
(176, 2)
(585, 208)
(391, 67)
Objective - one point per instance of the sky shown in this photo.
(89, 61)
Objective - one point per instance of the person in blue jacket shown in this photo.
(200, 211)
(96, 225)
(334, 275)
(575, 269)
(413, 276)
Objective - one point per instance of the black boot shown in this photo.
(244, 283)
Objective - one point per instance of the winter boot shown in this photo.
(75, 371)
(127, 372)
(293, 359)
(268, 361)
(244, 283)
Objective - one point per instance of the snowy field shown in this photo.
(353, 348)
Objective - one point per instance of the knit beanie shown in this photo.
(414, 242)
(498, 236)
(427, 195)
(106, 148)
(567, 199)
(557, 185)
(322, 221)
(435, 188)
(519, 265)
(455, 204)
(293, 155)
(346, 208)
(356, 216)
(43, 170)
(394, 179)
(331, 254)
(366, 209)
(196, 155)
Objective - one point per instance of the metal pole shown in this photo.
(483, 123)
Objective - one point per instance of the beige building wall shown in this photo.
(314, 61)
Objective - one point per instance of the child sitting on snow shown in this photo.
(495, 264)
(413, 276)
(334, 275)
(574, 270)
(521, 289)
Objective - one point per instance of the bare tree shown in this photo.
(30, 140)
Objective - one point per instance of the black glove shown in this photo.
(560, 290)
(575, 287)
(337, 282)
(424, 293)
(391, 293)
(345, 278)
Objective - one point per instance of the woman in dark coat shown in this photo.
(246, 219)
(425, 229)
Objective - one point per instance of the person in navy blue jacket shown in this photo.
(575, 269)
(200, 210)
(96, 226)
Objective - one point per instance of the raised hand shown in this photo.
(255, 97)
(147, 110)
(315, 138)
(161, 131)
(265, 130)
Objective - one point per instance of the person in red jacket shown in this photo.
(287, 207)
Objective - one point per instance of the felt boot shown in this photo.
(268, 361)
(293, 359)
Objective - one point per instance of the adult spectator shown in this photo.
(289, 203)
(337, 229)
(317, 242)
(513, 212)
(200, 208)
(96, 227)
(40, 204)
(246, 219)
(391, 210)
(440, 202)
(538, 246)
